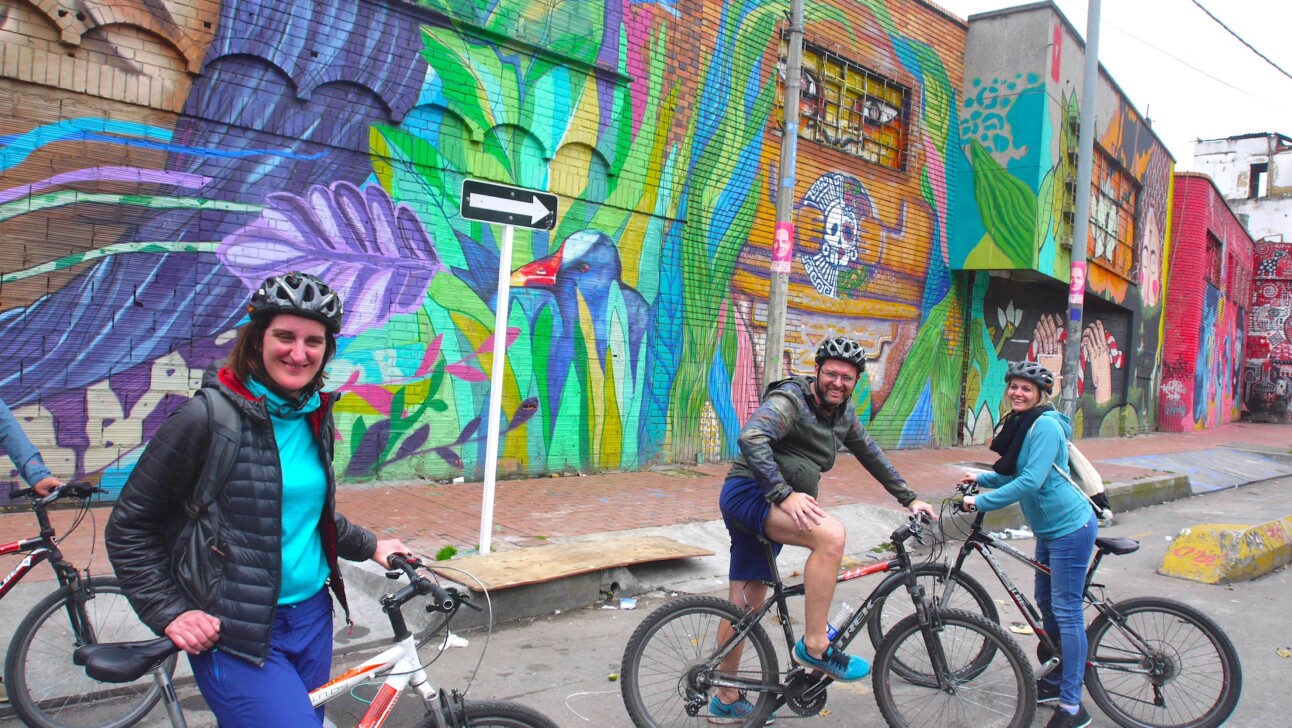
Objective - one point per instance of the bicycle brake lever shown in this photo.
(465, 599)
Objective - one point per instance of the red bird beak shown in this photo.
(540, 273)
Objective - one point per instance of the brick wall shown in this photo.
(1208, 304)
(160, 159)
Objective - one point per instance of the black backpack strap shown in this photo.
(225, 428)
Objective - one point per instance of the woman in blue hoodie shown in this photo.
(1032, 441)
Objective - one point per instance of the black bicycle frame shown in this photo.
(45, 548)
(901, 570)
(983, 542)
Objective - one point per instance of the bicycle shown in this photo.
(1152, 662)
(936, 667)
(400, 665)
(83, 610)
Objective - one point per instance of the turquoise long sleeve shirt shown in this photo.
(1052, 505)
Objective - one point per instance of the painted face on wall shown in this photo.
(1150, 253)
(839, 244)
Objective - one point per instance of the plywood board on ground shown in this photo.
(548, 562)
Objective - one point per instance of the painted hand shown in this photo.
(1048, 348)
(1094, 344)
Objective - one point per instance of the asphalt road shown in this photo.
(566, 664)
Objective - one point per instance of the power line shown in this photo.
(1221, 23)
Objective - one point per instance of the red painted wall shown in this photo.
(1209, 293)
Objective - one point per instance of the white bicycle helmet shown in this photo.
(1032, 372)
(843, 349)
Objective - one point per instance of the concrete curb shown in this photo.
(1223, 553)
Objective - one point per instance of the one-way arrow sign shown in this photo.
(506, 205)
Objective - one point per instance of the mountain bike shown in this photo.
(44, 687)
(1152, 662)
(936, 667)
(400, 665)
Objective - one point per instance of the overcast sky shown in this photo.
(1184, 71)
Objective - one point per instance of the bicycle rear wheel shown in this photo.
(999, 694)
(492, 714)
(669, 664)
(1190, 678)
(48, 690)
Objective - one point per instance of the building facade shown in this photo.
(1019, 125)
(1254, 173)
(159, 159)
(1268, 369)
(1209, 299)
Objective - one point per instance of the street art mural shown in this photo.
(635, 331)
(1211, 292)
(1018, 130)
(1267, 369)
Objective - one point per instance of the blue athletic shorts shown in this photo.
(742, 502)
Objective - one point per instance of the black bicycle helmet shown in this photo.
(301, 294)
(842, 349)
(1032, 372)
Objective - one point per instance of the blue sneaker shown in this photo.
(834, 663)
(737, 712)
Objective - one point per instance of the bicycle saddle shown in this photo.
(1117, 546)
(122, 662)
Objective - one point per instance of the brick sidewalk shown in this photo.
(529, 511)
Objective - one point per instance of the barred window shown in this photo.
(1114, 199)
(845, 106)
(1215, 261)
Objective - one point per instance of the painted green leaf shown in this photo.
(1007, 206)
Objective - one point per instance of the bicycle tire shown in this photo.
(969, 594)
(666, 664)
(48, 691)
(895, 604)
(493, 714)
(1201, 665)
(1001, 695)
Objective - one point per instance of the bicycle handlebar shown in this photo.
(441, 599)
(80, 489)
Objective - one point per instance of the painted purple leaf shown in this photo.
(365, 457)
(467, 432)
(411, 443)
(375, 253)
(524, 413)
(449, 457)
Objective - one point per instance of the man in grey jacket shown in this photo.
(771, 490)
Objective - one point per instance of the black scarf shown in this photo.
(1008, 441)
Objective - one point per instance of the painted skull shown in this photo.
(839, 246)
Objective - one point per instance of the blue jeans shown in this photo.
(1059, 598)
(277, 693)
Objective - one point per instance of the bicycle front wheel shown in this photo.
(999, 694)
(943, 588)
(670, 664)
(492, 714)
(48, 690)
(1186, 676)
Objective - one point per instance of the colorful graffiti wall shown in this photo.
(1019, 125)
(1267, 371)
(158, 159)
(1212, 264)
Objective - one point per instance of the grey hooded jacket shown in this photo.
(790, 440)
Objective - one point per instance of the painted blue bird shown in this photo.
(587, 265)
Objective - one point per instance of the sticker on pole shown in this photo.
(506, 205)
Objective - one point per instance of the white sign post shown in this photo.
(510, 206)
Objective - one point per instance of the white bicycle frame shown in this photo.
(403, 668)
(400, 664)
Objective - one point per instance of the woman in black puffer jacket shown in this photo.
(249, 604)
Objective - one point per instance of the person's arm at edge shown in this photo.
(25, 456)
